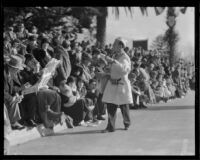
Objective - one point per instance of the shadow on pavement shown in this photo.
(84, 132)
(170, 107)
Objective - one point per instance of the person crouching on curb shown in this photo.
(118, 88)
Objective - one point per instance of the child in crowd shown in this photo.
(81, 88)
(170, 85)
(76, 108)
(135, 91)
(159, 90)
(93, 95)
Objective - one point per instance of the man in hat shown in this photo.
(118, 89)
(11, 93)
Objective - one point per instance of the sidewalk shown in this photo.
(17, 137)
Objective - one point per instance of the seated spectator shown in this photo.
(171, 86)
(135, 91)
(12, 97)
(22, 33)
(71, 105)
(34, 31)
(159, 90)
(10, 34)
(167, 93)
(15, 47)
(92, 71)
(93, 95)
(82, 91)
(77, 71)
(7, 47)
(43, 55)
(32, 64)
(86, 62)
(31, 44)
(49, 107)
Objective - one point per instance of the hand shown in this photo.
(23, 87)
(101, 55)
(17, 99)
(139, 93)
(44, 87)
(56, 89)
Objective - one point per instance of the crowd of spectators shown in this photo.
(76, 88)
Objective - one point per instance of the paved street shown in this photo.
(162, 129)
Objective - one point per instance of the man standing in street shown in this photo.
(118, 88)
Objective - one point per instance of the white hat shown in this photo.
(119, 39)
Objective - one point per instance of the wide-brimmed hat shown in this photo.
(16, 62)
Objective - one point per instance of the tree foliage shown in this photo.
(159, 43)
(171, 37)
(47, 17)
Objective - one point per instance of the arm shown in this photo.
(123, 66)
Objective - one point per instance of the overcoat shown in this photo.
(120, 93)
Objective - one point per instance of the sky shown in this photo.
(148, 27)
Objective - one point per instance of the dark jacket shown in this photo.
(39, 55)
(11, 86)
(64, 69)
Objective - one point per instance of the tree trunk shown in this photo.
(101, 30)
(171, 49)
(101, 26)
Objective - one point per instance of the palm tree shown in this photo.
(101, 19)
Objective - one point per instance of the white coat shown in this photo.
(119, 94)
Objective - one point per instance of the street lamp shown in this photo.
(171, 21)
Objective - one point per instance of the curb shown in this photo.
(17, 137)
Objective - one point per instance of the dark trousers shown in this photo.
(101, 106)
(28, 107)
(112, 109)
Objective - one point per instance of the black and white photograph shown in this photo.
(107, 81)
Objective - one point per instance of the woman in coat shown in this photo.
(118, 89)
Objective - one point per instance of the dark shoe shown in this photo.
(126, 128)
(101, 118)
(17, 126)
(69, 122)
(143, 106)
(95, 120)
(134, 107)
(108, 130)
(31, 123)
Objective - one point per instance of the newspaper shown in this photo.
(48, 72)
